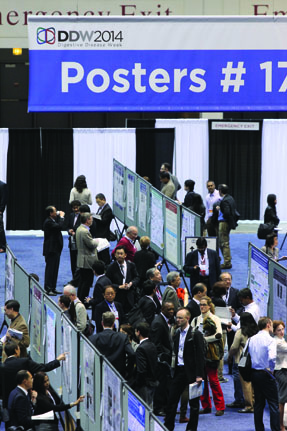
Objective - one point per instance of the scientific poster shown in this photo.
(9, 277)
(142, 209)
(171, 232)
(89, 381)
(156, 222)
(67, 364)
(51, 335)
(112, 415)
(259, 280)
(131, 197)
(36, 320)
(187, 229)
(119, 173)
(279, 296)
(136, 414)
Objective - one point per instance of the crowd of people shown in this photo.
(158, 339)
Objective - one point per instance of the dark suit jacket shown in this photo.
(144, 260)
(160, 336)
(228, 208)
(102, 308)
(125, 297)
(270, 216)
(115, 346)
(71, 225)
(146, 359)
(193, 355)
(101, 228)
(20, 409)
(214, 267)
(148, 308)
(53, 239)
(233, 300)
(45, 404)
(101, 283)
(3, 196)
(11, 367)
(194, 309)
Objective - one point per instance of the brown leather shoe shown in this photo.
(219, 413)
(183, 420)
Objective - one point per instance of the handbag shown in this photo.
(89, 329)
(264, 229)
(245, 365)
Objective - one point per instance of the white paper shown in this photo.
(48, 416)
(195, 390)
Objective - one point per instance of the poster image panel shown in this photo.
(118, 191)
(112, 414)
(131, 199)
(89, 381)
(143, 203)
(172, 233)
(156, 221)
(67, 364)
(259, 279)
(37, 320)
(9, 276)
(279, 295)
(51, 335)
(136, 414)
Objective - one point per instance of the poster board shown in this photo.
(112, 401)
(37, 345)
(9, 275)
(278, 292)
(143, 204)
(130, 186)
(258, 279)
(22, 284)
(119, 190)
(156, 221)
(172, 232)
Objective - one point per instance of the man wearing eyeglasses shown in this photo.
(189, 368)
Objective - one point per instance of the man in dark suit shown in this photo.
(14, 363)
(101, 226)
(53, 245)
(115, 346)
(3, 203)
(99, 268)
(74, 221)
(108, 304)
(20, 401)
(147, 303)
(146, 358)
(189, 368)
(227, 220)
(160, 336)
(198, 292)
(124, 278)
(202, 265)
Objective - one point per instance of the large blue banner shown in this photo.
(157, 64)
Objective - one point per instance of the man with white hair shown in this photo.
(80, 310)
(128, 241)
(170, 295)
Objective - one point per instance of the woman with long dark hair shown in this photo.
(243, 392)
(198, 207)
(271, 248)
(270, 215)
(80, 191)
(46, 401)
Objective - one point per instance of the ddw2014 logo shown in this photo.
(46, 35)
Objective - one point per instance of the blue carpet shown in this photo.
(28, 250)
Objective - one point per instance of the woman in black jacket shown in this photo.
(47, 401)
(270, 215)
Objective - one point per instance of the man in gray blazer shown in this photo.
(87, 255)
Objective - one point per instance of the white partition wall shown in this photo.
(191, 156)
(94, 151)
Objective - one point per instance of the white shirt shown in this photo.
(182, 336)
(281, 358)
(262, 349)
(210, 200)
(203, 263)
(251, 308)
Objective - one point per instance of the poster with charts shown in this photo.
(187, 229)
(67, 364)
(118, 191)
(136, 414)
(156, 222)
(172, 238)
(89, 381)
(279, 295)
(130, 203)
(36, 320)
(112, 415)
(142, 208)
(259, 280)
(51, 335)
(9, 276)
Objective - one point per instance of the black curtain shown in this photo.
(25, 180)
(140, 123)
(235, 159)
(153, 147)
(57, 156)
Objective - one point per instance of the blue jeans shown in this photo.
(238, 394)
(265, 389)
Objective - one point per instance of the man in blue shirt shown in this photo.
(262, 349)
